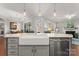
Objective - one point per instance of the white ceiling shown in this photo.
(46, 9)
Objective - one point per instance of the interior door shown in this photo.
(2, 46)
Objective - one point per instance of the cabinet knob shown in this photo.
(34, 50)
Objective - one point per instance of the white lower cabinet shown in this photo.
(25, 51)
(42, 51)
(34, 50)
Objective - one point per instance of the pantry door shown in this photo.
(2, 46)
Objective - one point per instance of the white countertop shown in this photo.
(59, 35)
(35, 39)
(38, 34)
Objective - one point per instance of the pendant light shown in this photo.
(24, 14)
(54, 14)
(24, 10)
(39, 12)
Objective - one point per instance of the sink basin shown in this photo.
(34, 40)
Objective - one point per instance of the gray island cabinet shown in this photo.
(38, 45)
(34, 50)
(27, 45)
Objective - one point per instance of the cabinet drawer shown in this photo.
(12, 54)
(12, 51)
(13, 45)
(11, 41)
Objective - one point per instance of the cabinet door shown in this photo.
(25, 50)
(59, 47)
(64, 47)
(54, 47)
(42, 50)
(51, 48)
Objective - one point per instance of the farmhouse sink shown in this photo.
(34, 40)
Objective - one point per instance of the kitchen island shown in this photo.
(40, 44)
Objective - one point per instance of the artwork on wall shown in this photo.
(13, 25)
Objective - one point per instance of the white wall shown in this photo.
(60, 25)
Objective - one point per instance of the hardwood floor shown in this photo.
(75, 50)
(2, 46)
